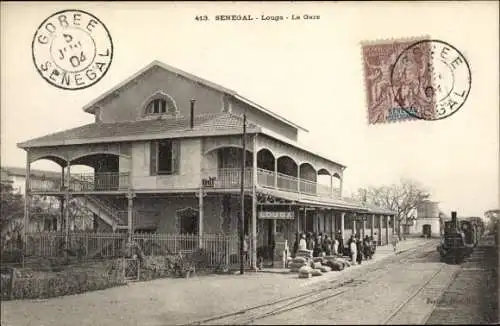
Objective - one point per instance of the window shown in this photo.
(157, 106)
(165, 157)
(159, 103)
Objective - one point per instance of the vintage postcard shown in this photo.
(198, 163)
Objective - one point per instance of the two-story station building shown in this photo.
(166, 152)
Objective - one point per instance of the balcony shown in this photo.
(230, 178)
(85, 182)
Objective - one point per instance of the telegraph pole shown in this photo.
(242, 194)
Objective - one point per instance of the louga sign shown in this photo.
(276, 215)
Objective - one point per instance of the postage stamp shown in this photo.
(414, 79)
(72, 49)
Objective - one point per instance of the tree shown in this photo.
(492, 217)
(12, 209)
(401, 198)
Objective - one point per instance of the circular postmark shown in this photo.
(72, 49)
(431, 80)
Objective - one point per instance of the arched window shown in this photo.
(160, 103)
(157, 106)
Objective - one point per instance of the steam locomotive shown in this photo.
(458, 239)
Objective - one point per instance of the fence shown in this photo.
(218, 249)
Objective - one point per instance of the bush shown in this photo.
(67, 282)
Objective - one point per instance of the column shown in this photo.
(66, 200)
(27, 197)
(276, 173)
(253, 245)
(200, 218)
(305, 219)
(342, 226)
(130, 212)
(373, 224)
(331, 186)
(298, 178)
(393, 224)
(332, 222)
(387, 229)
(354, 224)
(364, 225)
(61, 225)
(380, 230)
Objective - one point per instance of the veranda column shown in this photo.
(27, 197)
(254, 203)
(364, 225)
(298, 178)
(387, 228)
(380, 229)
(200, 217)
(373, 224)
(66, 208)
(331, 186)
(342, 225)
(130, 212)
(275, 173)
(393, 224)
(353, 224)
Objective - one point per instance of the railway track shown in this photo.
(317, 295)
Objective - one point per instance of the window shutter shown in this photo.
(176, 153)
(153, 153)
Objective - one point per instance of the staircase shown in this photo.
(109, 213)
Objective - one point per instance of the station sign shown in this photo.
(270, 215)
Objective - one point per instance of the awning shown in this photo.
(311, 201)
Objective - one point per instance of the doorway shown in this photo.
(426, 230)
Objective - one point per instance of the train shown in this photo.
(458, 239)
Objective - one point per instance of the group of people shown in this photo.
(322, 245)
(360, 249)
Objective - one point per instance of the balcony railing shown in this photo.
(85, 182)
(265, 178)
(227, 178)
(106, 181)
(287, 183)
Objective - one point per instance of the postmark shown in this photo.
(431, 80)
(72, 49)
(408, 80)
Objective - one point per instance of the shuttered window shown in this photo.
(165, 157)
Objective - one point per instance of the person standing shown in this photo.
(302, 242)
(327, 245)
(353, 251)
(359, 250)
(395, 243)
(335, 249)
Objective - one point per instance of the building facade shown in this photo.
(167, 153)
(428, 220)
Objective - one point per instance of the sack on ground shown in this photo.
(299, 260)
(297, 265)
(316, 272)
(317, 265)
(308, 275)
(317, 259)
(305, 270)
(325, 269)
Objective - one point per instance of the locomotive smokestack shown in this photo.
(192, 114)
(454, 217)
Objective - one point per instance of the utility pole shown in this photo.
(242, 194)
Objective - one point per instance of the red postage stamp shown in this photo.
(414, 79)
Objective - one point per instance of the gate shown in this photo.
(132, 268)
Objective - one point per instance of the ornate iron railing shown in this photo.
(287, 183)
(266, 178)
(105, 181)
(226, 178)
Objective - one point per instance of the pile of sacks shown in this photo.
(307, 266)
(302, 258)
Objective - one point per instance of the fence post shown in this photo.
(12, 282)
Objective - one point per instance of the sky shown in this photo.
(309, 71)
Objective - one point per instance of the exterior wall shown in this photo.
(264, 120)
(190, 165)
(434, 223)
(128, 105)
(162, 212)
